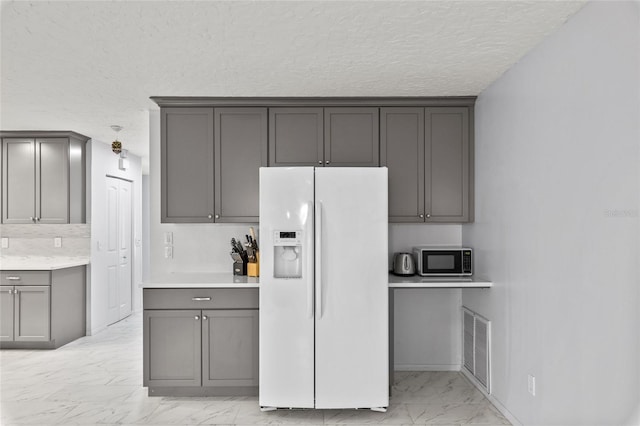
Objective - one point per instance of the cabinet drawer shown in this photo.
(200, 298)
(25, 278)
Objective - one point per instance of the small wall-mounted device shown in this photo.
(287, 256)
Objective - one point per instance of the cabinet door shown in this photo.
(6, 313)
(171, 348)
(18, 180)
(295, 137)
(187, 165)
(447, 164)
(402, 151)
(240, 150)
(52, 180)
(32, 316)
(351, 137)
(230, 348)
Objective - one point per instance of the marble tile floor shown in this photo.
(97, 380)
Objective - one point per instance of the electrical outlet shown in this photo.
(5, 242)
(168, 252)
(57, 242)
(531, 384)
(168, 238)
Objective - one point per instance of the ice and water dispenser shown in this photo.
(287, 254)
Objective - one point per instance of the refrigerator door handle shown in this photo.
(310, 264)
(318, 223)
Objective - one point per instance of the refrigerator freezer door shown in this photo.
(352, 336)
(286, 304)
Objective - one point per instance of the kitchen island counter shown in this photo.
(203, 280)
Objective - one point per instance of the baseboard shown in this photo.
(506, 413)
(426, 367)
(93, 332)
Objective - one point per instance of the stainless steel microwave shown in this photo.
(445, 261)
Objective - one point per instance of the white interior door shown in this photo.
(352, 311)
(124, 248)
(118, 249)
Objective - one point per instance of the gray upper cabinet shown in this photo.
(448, 165)
(43, 177)
(428, 153)
(351, 137)
(240, 150)
(427, 144)
(296, 137)
(187, 165)
(402, 151)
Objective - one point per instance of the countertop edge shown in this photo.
(51, 266)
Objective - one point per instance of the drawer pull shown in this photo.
(13, 278)
(200, 298)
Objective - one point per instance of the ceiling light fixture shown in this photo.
(116, 145)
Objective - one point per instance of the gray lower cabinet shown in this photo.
(428, 154)
(173, 341)
(43, 179)
(198, 352)
(338, 137)
(42, 309)
(230, 348)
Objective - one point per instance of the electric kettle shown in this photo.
(403, 264)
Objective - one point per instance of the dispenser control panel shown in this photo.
(287, 238)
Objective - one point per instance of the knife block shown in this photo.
(253, 269)
(239, 268)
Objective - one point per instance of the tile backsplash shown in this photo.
(38, 240)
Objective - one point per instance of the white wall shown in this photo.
(557, 222)
(104, 162)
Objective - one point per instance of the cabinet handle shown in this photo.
(327, 162)
(210, 216)
(204, 317)
(217, 216)
(200, 298)
(15, 291)
(421, 216)
(197, 317)
(33, 219)
(428, 215)
(319, 161)
(37, 219)
(13, 278)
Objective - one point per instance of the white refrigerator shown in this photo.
(324, 314)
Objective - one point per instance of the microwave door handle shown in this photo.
(309, 255)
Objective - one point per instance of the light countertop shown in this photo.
(41, 263)
(417, 281)
(203, 280)
(227, 280)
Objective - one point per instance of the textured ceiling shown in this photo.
(85, 65)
